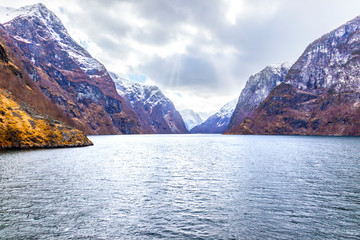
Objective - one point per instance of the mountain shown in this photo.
(257, 88)
(23, 127)
(191, 118)
(320, 94)
(67, 74)
(27, 117)
(156, 112)
(218, 122)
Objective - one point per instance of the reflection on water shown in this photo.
(184, 187)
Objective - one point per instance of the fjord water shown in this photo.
(184, 187)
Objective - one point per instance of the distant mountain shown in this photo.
(155, 110)
(257, 88)
(218, 122)
(67, 74)
(28, 118)
(321, 92)
(191, 118)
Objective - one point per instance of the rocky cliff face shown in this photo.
(22, 125)
(156, 112)
(257, 88)
(321, 93)
(191, 118)
(67, 74)
(218, 122)
(330, 63)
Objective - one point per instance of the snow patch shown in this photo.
(22, 39)
(191, 118)
(55, 32)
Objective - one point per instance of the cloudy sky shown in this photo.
(199, 52)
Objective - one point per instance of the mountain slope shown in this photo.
(67, 73)
(21, 123)
(257, 88)
(218, 122)
(155, 110)
(321, 93)
(191, 118)
(23, 127)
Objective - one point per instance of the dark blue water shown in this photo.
(184, 187)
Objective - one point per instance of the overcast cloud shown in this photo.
(199, 52)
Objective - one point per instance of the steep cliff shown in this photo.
(191, 118)
(22, 125)
(67, 74)
(156, 112)
(218, 122)
(321, 92)
(257, 88)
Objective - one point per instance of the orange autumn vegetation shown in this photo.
(24, 119)
(21, 126)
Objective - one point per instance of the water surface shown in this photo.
(184, 187)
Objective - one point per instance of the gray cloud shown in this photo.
(220, 56)
(260, 37)
(179, 72)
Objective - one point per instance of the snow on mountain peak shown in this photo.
(227, 110)
(53, 30)
(38, 10)
(136, 92)
(218, 122)
(321, 66)
(260, 84)
(152, 106)
(191, 118)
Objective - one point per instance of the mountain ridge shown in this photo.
(191, 118)
(257, 88)
(23, 108)
(68, 75)
(154, 109)
(218, 122)
(320, 94)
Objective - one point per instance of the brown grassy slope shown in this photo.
(21, 126)
(91, 101)
(14, 78)
(289, 111)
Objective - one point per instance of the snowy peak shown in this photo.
(259, 85)
(38, 10)
(257, 88)
(320, 94)
(191, 118)
(154, 109)
(43, 27)
(218, 122)
(330, 62)
(66, 73)
(136, 92)
(227, 110)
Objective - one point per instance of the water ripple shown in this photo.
(184, 187)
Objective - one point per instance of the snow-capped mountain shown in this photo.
(191, 118)
(28, 118)
(320, 94)
(154, 109)
(218, 122)
(257, 88)
(67, 73)
(54, 31)
(330, 62)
